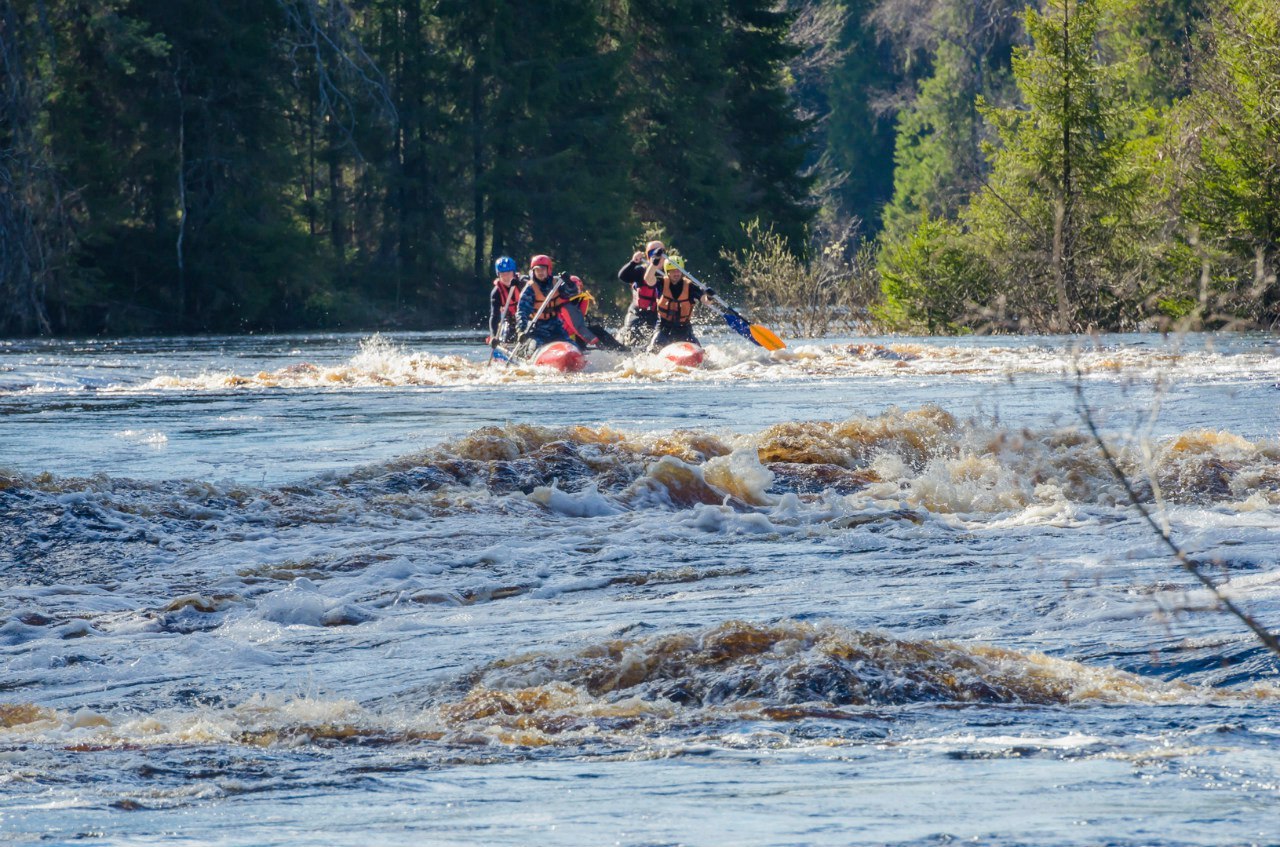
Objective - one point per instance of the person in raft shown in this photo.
(503, 300)
(642, 273)
(574, 317)
(676, 297)
(548, 327)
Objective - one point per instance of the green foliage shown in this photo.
(243, 165)
(857, 142)
(1153, 44)
(1066, 182)
(765, 131)
(715, 137)
(933, 280)
(186, 166)
(1233, 195)
(936, 160)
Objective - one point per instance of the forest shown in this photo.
(941, 166)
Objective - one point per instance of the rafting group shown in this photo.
(541, 318)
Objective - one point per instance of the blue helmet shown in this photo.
(505, 263)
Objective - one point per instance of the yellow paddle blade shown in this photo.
(766, 337)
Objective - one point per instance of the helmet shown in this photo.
(674, 263)
(504, 264)
(575, 280)
(540, 260)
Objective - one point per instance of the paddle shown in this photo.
(496, 353)
(520, 334)
(757, 334)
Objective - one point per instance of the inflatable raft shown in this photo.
(683, 353)
(561, 356)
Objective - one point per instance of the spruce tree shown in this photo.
(1233, 196)
(1063, 186)
(681, 179)
(962, 51)
(937, 158)
(857, 141)
(766, 134)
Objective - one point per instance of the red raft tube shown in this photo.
(560, 356)
(686, 354)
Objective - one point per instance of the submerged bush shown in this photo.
(830, 289)
(933, 281)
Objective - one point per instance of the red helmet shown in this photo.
(540, 260)
(575, 280)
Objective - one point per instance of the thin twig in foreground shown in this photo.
(1188, 564)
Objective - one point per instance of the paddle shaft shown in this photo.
(758, 334)
(715, 298)
(545, 300)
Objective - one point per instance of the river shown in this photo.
(374, 590)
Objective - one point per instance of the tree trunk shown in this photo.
(1266, 287)
(337, 225)
(31, 225)
(477, 156)
(1061, 282)
(1064, 282)
(182, 199)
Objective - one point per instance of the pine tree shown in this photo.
(1062, 181)
(766, 134)
(1234, 191)
(858, 142)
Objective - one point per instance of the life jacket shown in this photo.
(552, 311)
(583, 301)
(645, 297)
(509, 295)
(672, 308)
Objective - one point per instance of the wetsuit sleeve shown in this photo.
(631, 273)
(525, 308)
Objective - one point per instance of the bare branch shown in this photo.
(1191, 566)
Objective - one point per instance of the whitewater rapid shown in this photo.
(343, 589)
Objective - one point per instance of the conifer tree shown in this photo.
(938, 158)
(1234, 191)
(857, 141)
(765, 131)
(1062, 185)
(681, 176)
(548, 150)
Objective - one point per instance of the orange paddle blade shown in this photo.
(766, 337)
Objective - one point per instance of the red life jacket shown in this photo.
(644, 297)
(509, 295)
(672, 308)
(583, 302)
